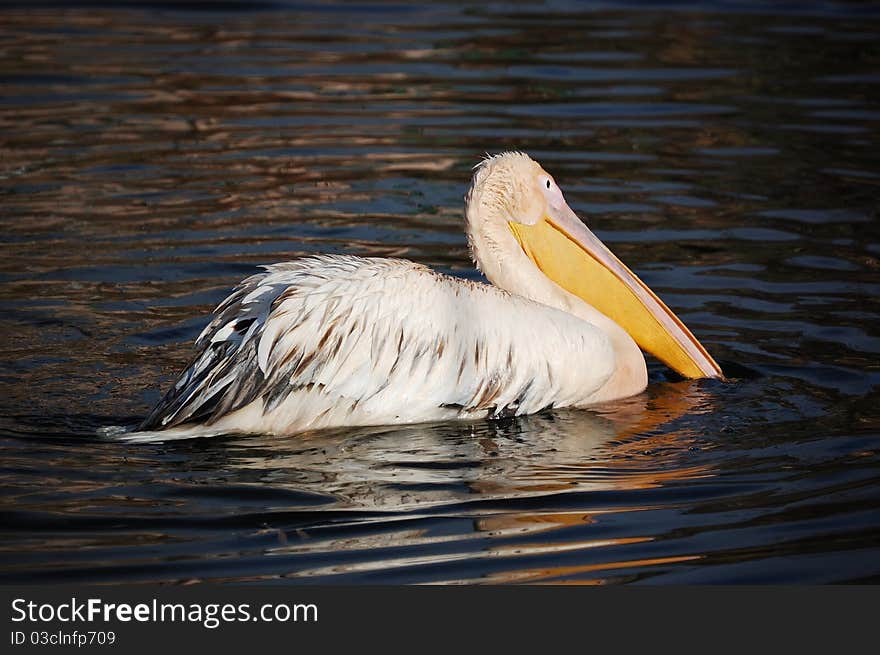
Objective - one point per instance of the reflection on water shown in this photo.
(151, 159)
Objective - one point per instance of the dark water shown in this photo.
(151, 158)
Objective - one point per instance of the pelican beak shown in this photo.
(567, 252)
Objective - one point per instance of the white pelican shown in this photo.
(338, 340)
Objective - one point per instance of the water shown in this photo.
(151, 158)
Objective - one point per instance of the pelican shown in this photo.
(338, 340)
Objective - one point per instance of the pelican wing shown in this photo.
(341, 340)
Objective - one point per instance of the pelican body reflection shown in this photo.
(550, 478)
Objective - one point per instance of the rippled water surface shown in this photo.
(151, 158)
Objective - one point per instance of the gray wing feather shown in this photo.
(224, 374)
(262, 341)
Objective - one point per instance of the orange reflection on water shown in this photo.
(544, 576)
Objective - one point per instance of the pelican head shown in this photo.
(528, 241)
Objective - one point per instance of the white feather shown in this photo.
(344, 340)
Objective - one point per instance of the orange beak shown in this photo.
(567, 252)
